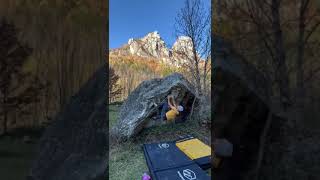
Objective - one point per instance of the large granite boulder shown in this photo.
(241, 107)
(135, 113)
(237, 85)
(75, 145)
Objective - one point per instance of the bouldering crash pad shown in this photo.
(196, 150)
(189, 172)
(166, 161)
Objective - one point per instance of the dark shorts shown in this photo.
(164, 107)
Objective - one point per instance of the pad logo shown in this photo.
(187, 174)
(163, 145)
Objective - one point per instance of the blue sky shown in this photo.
(136, 18)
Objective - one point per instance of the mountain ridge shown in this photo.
(152, 45)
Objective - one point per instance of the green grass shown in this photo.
(126, 160)
(16, 158)
(113, 113)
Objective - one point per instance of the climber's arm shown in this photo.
(169, 102)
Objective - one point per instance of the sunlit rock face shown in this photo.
(182, 50)
(183, 44)
(152, 45)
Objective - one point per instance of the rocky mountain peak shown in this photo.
(183, 43)
(152, 45)
(153, 35)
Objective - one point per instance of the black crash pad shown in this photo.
(204, 162)
(165, 155)
(189, 172)
(165, 160)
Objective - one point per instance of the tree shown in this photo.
(280, 54)
(74, 47)
(193, 21)
(114, 89)
(259, 32)
(276, 41)
(308, 23)
(17, 88)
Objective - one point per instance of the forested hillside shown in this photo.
(132, 70)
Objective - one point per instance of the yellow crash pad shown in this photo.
(194, 148)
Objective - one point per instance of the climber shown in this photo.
(169, 109)
(182, 117)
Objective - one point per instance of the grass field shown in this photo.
(126, 160)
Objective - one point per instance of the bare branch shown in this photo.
(312, 30)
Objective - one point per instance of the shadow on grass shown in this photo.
(16, 156)
(10, 154)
